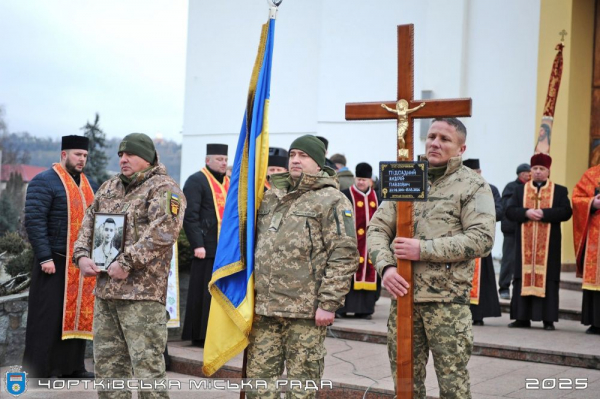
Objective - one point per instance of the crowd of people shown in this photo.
(325, 246)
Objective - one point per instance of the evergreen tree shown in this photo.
(9, 218)
(97, 158)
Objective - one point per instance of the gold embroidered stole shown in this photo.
(78, 305)
(535, 240)
(476, 288)
(219, 193)
(365, 206)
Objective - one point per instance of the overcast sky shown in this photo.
(61, 61)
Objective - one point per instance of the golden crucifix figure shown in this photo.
(402, 111)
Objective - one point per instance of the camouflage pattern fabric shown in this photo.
(455, 225)
(130, 335)
(297, 341)
(154, 205)
(306, 252)
(445, 329)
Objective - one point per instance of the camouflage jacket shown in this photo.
(152, 227)
(455, 225)
(306, 251)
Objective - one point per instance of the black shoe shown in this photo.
(341, 315)
(81, 375)
(520, 324)
(504, 295)
(549, 326)
(198, 343)
(362, 316)
(477, 322)
(593, 330)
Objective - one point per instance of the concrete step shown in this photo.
(569, 304)
(495, 339)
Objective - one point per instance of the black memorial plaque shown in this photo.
(403, 181)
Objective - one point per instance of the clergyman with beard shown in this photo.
(205, 191)
(58, 325)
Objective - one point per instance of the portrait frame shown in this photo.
(108, 238)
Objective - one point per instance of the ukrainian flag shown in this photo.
(232, 283)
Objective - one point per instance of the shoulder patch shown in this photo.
(348, 213)
(174, 203)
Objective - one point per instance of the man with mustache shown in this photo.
(130, 325)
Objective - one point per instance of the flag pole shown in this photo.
(273, 7)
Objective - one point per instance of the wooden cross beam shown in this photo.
(404, 224)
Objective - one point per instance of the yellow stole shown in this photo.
(78, 306)
(535, 240)
(219, 193)
(475, 289)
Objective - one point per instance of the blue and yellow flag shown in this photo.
(232, 283)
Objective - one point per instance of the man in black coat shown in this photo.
(538, 207)
(202, 223)
(487, 304)
(507, 266)
(48, 222)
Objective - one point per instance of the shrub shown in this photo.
(21, 263)
(12, 243)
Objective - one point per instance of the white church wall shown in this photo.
(501, 72)
(331, 52)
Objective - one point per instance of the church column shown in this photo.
(570, 132)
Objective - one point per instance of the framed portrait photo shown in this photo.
(108, 238)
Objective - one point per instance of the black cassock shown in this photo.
(532, 307)
(201, 228)
(489, 304)
(46, 354)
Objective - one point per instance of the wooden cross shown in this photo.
(404, 224)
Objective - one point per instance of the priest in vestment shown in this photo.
(59, 320)
(205, 192)
(586, 234)
(539, 207)
(483, 296)
(365, 287)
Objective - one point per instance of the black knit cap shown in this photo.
(472, 163)
(139, 144)
(312, 146)
(75, 143)
(364, 170)
(278, 157)
(216, 149)
(524, 167)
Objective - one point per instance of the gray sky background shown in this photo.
(61, 61)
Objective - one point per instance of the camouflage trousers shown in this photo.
(129, 340)
(297, 342)
(445, 329)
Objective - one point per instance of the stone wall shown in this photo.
(13, 321)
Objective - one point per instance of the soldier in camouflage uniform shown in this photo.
(452, 228)
(305, 257)
(130, 331)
